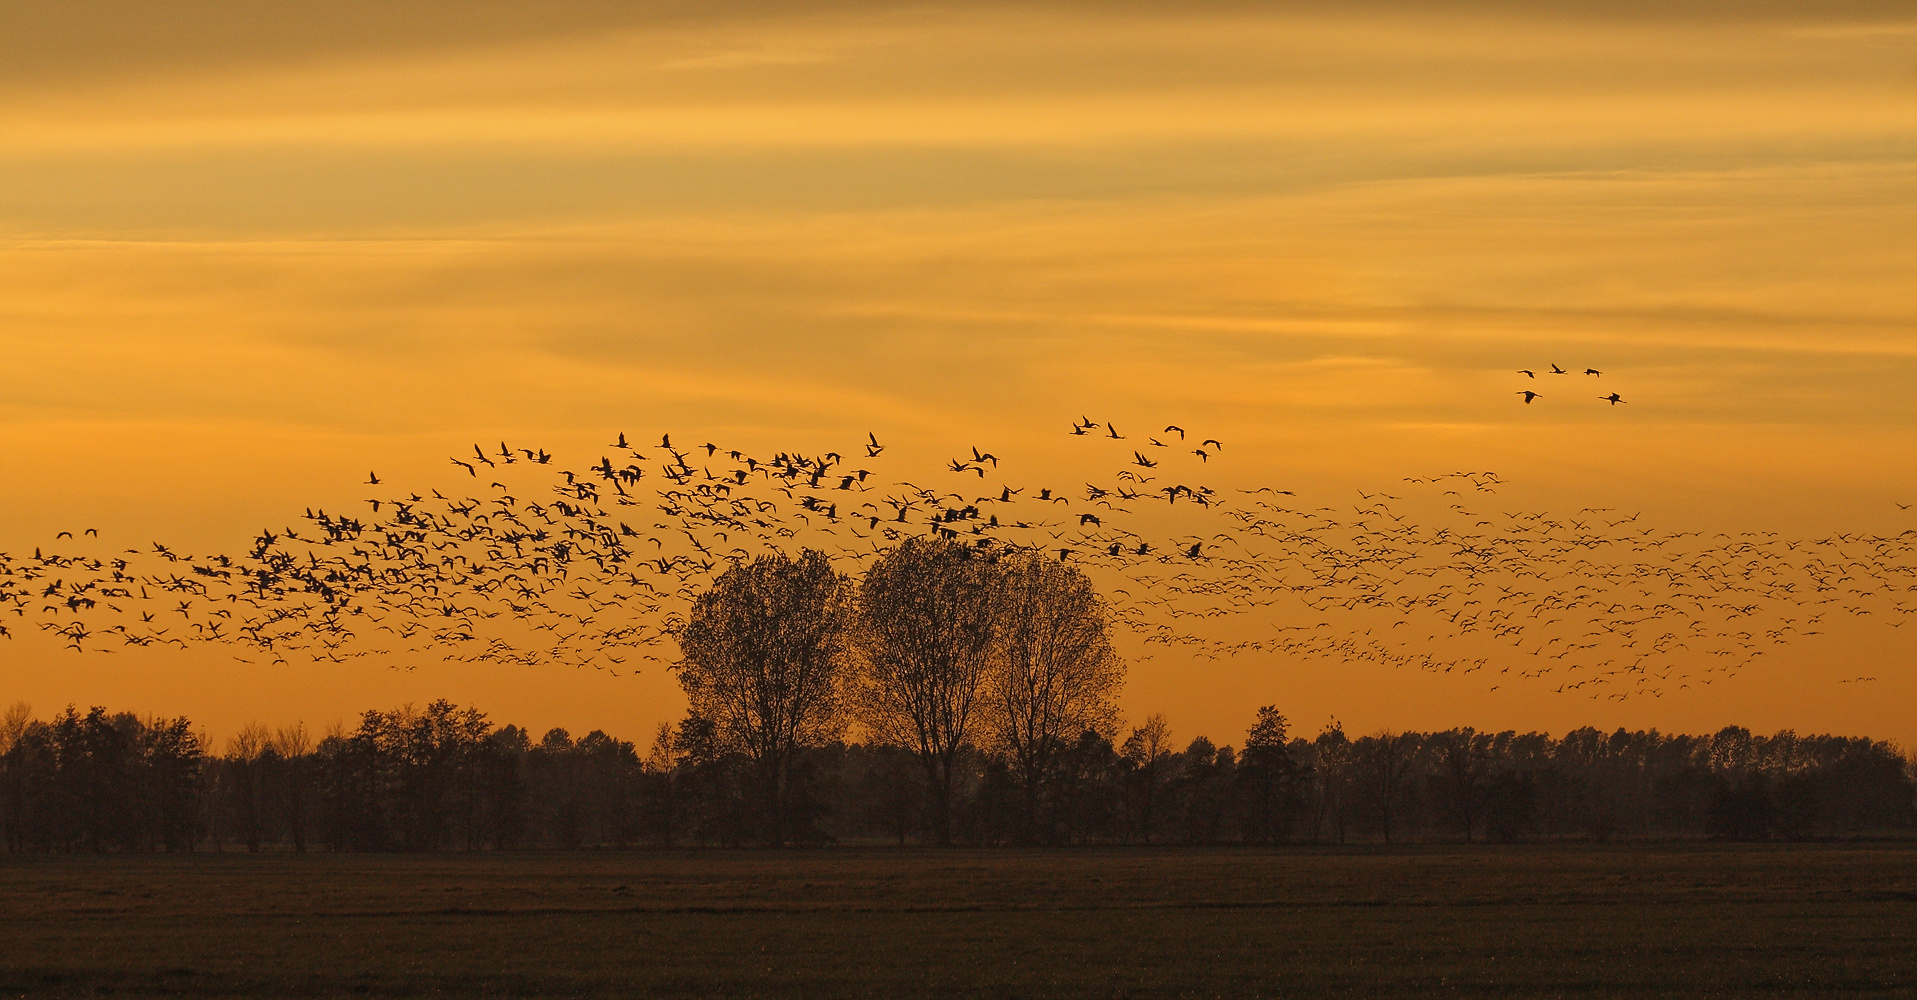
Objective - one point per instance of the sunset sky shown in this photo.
(250, 251)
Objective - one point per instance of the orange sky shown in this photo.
(248, 252)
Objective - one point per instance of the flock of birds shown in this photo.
(536, 562)
(1531, 394)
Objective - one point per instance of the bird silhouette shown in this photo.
(563, 563)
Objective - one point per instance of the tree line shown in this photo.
(441, 777)
(949, 695)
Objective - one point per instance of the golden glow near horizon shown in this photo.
(246, 255)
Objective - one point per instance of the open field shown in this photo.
(1532, 921)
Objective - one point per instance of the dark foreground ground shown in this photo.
(1537, 921)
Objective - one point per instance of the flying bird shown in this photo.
(1529, 395)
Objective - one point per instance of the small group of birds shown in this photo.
(1085, 425)
(1532, 394)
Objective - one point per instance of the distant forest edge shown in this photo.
(978, 689)
(445, 778)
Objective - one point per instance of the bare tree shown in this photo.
(250, 756)
(1464, 757)
(295, 749)
(1148, 750)
(662, 769)
(13, 724)
(13, 728)
(762, 652)
(1331, 755)
(926, 630)
(1054, 672)
(1382, 763)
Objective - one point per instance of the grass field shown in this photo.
(1529, 921)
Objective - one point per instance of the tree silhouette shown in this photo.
(1332, 791)
(295, 750)
(15, 791)
(1267, 779)
(926, 624)
(1054, 672)
(1147, 754)
(248, 774)
(763, 656)
(1464, 759)
(1383, 762)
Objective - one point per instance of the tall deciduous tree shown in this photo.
(927, 623)
(1147, 751)
(1464, 758)
(250, 763)
(1054, 672)
(763, 652)
(1382, 764)
(1267, 778)
(295, 749)
(1331, 755)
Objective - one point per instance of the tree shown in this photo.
(926, 626)
(1464, 758)
(1089, 795)
(1382, 764)
(661, 775)
(13, 773)
(174, 759)
(762, 658)
(1510, 804)
(888, 790)
(1054, 672)
(250, 760)
(295, 749)
(1267, 778)
(95, 768)
(1147, 753)
(1201, 788)
(502, 762)
(1332, 756)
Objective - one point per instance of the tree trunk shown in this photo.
(774, 793)
(939, 772)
